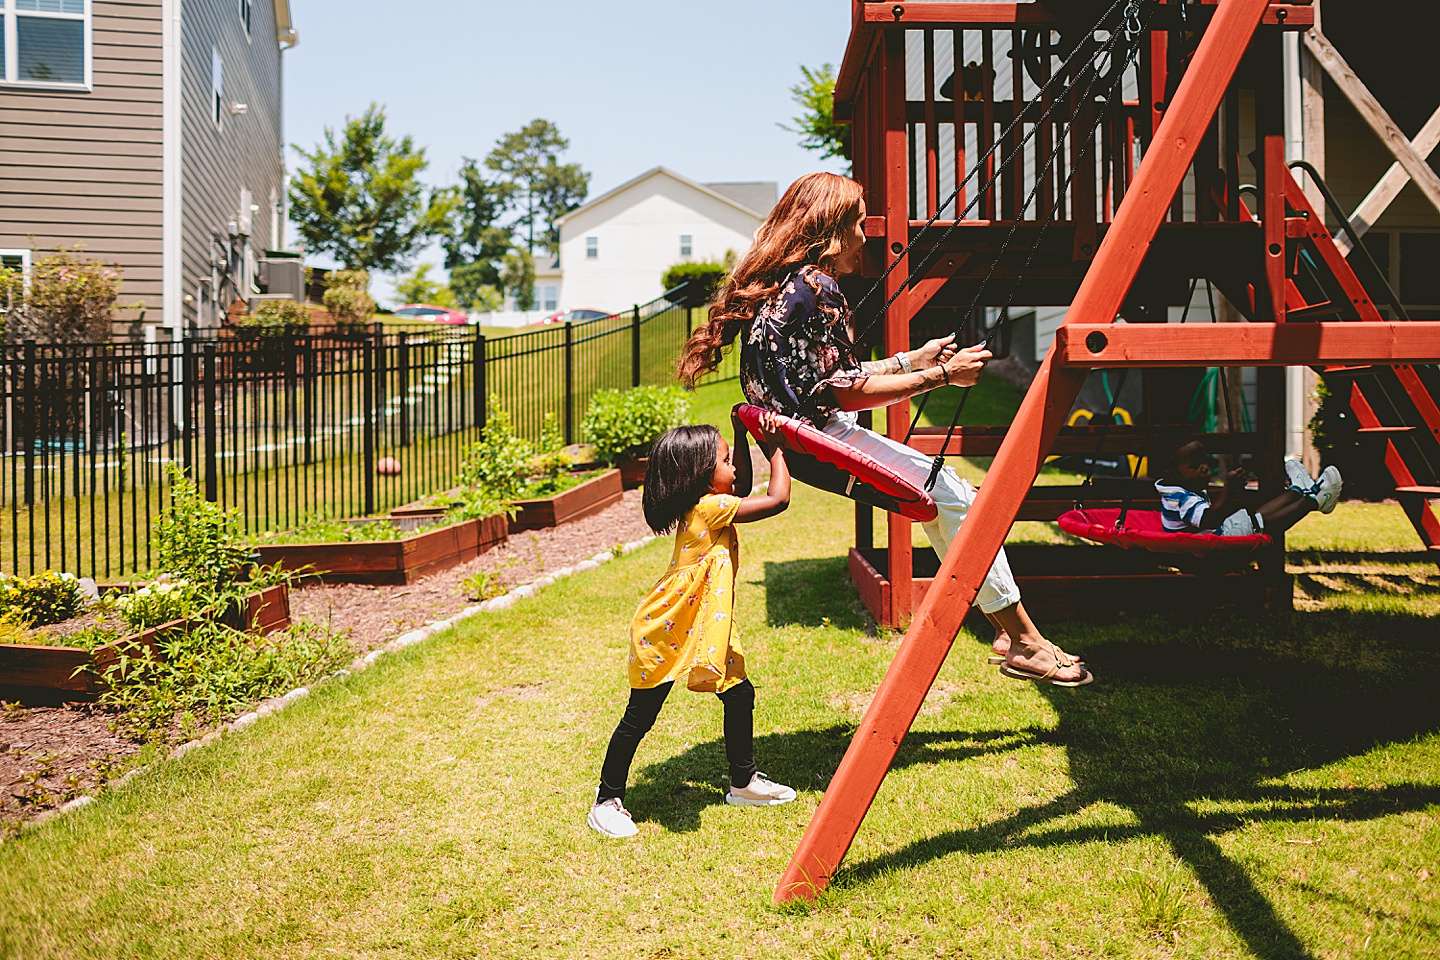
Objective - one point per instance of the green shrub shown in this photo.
(549, 468)
(13, 630)
(162, 600)
(197, 540)
(41, 600)
(497, 463)
(625, 424)
(482, 585)
(319, 528)
(211, 672)
(348, 300)
(68, 300)
(699, 277)
(274, 318)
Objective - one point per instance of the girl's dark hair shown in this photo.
(681, 466)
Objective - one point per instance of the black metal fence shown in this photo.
(282, 428)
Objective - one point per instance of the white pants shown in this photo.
(952, 497)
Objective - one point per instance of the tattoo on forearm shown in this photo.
(887, 366)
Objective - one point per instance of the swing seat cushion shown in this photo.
(819, 460)
(1143, 530)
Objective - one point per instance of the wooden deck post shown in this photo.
(1035, 427)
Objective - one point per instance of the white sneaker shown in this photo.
(611, 819)
(759, 792)
(1327, 489)
(1300, 479)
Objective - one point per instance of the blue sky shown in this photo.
(698, 88)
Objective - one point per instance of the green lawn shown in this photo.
(1249, 787)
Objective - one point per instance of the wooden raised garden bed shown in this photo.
(583, 500)
(632, 472)
(32, 673)
(390, 561)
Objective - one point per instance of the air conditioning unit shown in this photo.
(282, 276)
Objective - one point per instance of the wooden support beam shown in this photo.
(1373, 114)
(1378, 200)
(1041, 416)
(1246, 344)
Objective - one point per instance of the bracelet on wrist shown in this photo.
(903, 359)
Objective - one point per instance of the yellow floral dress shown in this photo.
(683, 629)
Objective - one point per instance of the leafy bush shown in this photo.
(496, 464)
(69, 300)
(482, 585)
(348, 300)
(274, 318)
(212, 672)
(12, 630)
(625, 424)
(163, 600)
(41, 600)
(549, 468)
(1360, 457)
(197, 540)
(700, 277)
(322, 529)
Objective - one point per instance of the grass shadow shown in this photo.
(1215, 711)
(674, 791)
(804, 593)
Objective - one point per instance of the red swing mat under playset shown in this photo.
(1256, 260)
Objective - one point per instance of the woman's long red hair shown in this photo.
(805, 227)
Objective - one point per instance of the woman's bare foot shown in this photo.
(1043, 661)
(1000, 646)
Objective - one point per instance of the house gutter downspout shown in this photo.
(172, 224)
(1295, 412)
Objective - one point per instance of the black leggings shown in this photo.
(640, 714)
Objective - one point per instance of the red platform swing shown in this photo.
(1142, 529)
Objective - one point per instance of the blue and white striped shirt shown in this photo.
(1180, 508)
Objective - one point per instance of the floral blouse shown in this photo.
(797, 348)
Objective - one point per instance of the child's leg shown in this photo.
(739, 703)
(640, 714)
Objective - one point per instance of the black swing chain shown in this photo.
(988, 184)
(1132, 30)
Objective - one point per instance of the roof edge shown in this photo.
(655, 171)
(285, 34)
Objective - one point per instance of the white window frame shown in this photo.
(9, 15)
(549, 296)
(24, 255)
(246, 10)
(687, 245)
(592, 248)
(217, 88)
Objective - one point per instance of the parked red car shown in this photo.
(574, 316)
(425, 311)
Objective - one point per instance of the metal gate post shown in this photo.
(634, 346)
(368, 389)
(480, 396)
(212, 476)
(569, 383)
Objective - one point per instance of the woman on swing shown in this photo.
(796, 358)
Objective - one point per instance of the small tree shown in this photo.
(347, 298)
(361, 200)
(699, 277)
(816, 124)
(68, 299)
(419, 288)
(474, 287)
(518, 277)
(476, 239)
(540, 189)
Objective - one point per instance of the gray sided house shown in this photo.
(149, 132)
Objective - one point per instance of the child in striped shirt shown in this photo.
(1184, 471)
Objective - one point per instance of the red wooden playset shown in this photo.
(1158, 204)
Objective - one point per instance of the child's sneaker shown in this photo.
(759, 792)
(610, 819)
(1300, 480)
(1327, 490)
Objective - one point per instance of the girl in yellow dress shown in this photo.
(697, 485)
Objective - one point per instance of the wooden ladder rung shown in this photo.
(1341, 368)
(1384, 429)
(1418, 491)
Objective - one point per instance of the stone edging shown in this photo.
(359, 664)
